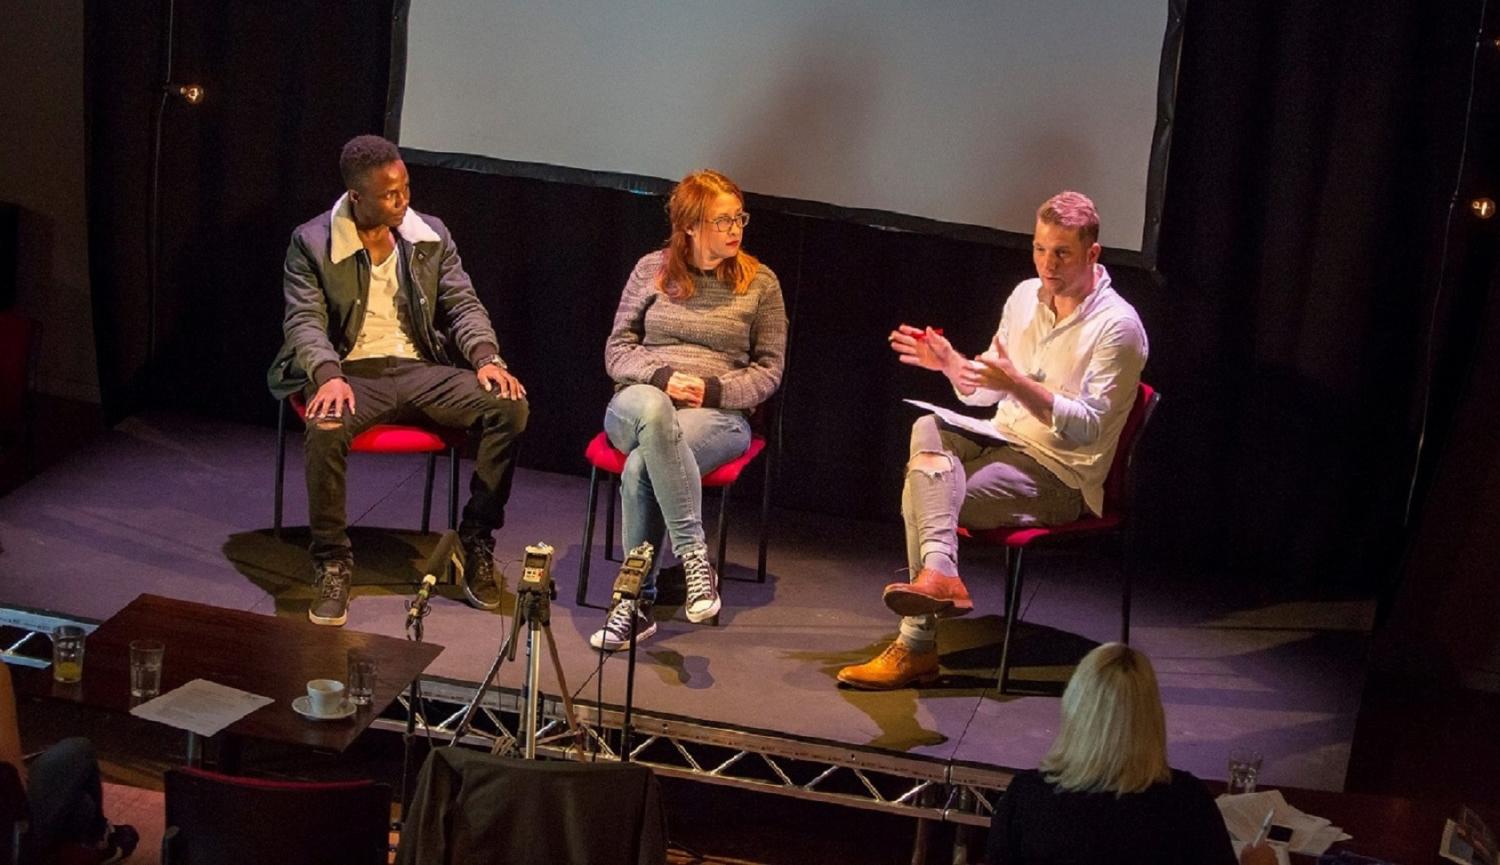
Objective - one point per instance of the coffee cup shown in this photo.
(325, 696)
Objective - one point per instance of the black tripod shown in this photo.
(628, 590)
(534, 596)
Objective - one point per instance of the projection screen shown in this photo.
(908, 113)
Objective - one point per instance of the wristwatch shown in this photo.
(492, 359)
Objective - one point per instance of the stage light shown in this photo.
(1484, 208)
(192, 94)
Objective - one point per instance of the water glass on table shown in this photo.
(1244, 770)
(145, 668)
(361, 678)
(67, 653)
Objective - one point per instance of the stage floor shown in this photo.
(181, 506)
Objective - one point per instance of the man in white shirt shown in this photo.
(1062, 371)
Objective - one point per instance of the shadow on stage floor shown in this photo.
(181, 506)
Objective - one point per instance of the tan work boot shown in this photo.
(896, 667)
(932, 593)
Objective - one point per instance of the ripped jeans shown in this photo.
(984, 485)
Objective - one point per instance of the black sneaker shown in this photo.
(702, 587)
(615, 635)
(331, 606)
(482, 590)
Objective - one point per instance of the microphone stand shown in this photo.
(444, 561)
(628, 588)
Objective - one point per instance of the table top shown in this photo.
(267, 655)
(1392, 828)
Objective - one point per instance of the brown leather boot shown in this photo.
(896, 667)
(931, 593)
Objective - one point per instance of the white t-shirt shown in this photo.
(382, 335)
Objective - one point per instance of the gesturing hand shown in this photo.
(500, 382)
(993, 369)
(924, 347)
(686, 390)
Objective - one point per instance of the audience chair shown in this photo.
(1118, 492)
(20, 337)
(603, 457)
(384, 439)
(226, 820)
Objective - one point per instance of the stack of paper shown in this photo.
(1244, 814)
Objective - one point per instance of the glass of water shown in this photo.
(361, 678)
(1244, 770)
(145, 668)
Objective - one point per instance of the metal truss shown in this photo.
(802, 768)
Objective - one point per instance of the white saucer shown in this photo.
(301, 707)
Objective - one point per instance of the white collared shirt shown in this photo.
(1091, 361)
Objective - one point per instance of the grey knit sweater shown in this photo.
(735, 342)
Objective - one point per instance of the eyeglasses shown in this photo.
(723, 223)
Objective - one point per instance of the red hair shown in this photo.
(686, 208)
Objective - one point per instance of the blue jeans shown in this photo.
(668, 449)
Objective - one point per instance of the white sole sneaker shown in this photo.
(698, 616)
(602, 640)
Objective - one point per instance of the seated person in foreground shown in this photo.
(64, 795)
(698, 342)
(382, 325)
(1104, 793)
(1062, 372)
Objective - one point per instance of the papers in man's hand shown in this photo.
(1468, 841)
(1243, 815)
(976, 425)
(201, 707)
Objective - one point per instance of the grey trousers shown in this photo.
(985, 485)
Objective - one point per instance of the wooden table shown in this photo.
(267, 655)
(1392, 828)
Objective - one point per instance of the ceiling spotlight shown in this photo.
(192, 94)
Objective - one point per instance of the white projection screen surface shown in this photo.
(963, 112)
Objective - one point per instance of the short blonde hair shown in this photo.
(1072, 210)
(1113, 736)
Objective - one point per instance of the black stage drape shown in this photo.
(1311, 163)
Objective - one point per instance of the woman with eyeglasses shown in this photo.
(1104, 792)
(698, 342)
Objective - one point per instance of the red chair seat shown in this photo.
(604, 456)
(1011, 536)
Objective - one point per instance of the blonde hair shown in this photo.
(687, 208)
(1072, 210)
(1113, 736)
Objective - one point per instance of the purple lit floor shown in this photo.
(181, 506)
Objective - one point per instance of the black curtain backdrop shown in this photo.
(1312, 160)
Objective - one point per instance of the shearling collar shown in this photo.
(345, 239)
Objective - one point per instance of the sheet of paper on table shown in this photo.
(977, 425)
(201, 707)
(1244, 812)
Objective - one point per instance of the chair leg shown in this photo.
(765, 523)
(723, 529)
(427, 493)
(609, 519)
(1012, 612)
(280, 468)
(453, 489)
(588, 537)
